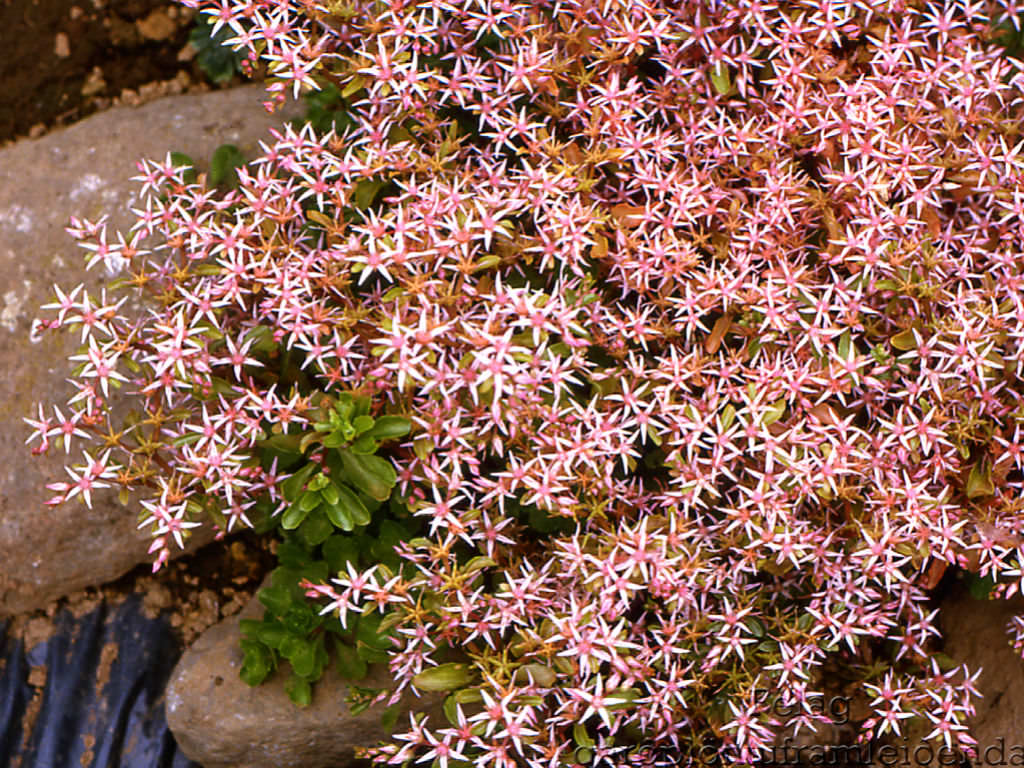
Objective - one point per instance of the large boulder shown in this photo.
(220, 722)
(83, 170)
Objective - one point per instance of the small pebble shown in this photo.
(129, 98)
(37, 677)
(94, 83)
(62, 47)
(156, 26)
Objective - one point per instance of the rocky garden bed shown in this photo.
(80, 568)
(63, 565)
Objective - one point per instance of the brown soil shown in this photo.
(28, 723)
(193, 592)
(64, 59)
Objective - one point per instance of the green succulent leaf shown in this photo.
(980, 587)
(331, 493)
(349, 511)
(333, 440)
(291, 487)
(318, 482)
(340, 517)
(372, 505)
(181, 160)
(720, 79)
(383, 549)
(389, 719)
(257, 662)
(217, 59)
(249, 626)
(368, 631)
(450, 710)
(365, 445)
(291, 555)
(543, 522)
(299, 691)
(580, 735)
(227, 158)
(293, 516)
(371, 655)
(365, 192)
(339, 550)
(774, 413)
(224, 164)
(904, 340)
(350, 665)
(541, 674)
(979, 482)
(315, 529)
(270, 633)
(345, 406)
(372, 475)
(309, 500)
(478, 563)
(308, 439)
(387, 427)
(315, 572)
(362, 424)
(445, 677)
(275, 598)
(302, 659)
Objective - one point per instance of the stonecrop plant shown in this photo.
(707, 318)
(336, 521)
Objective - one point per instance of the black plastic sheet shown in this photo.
(102, 703)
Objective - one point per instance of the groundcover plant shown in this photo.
(707, 320)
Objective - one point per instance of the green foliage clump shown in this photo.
(344, 514)
(224, 165)
(215, 57)
(326, 110)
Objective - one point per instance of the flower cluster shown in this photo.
(727, 294)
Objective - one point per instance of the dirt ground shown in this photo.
(194, 592)
(64, 59)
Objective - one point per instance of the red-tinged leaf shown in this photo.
(628, 215)
(932, 575)
(714, 340)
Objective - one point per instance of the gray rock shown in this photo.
(976, 635)
(83, 170)
(220, 722)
